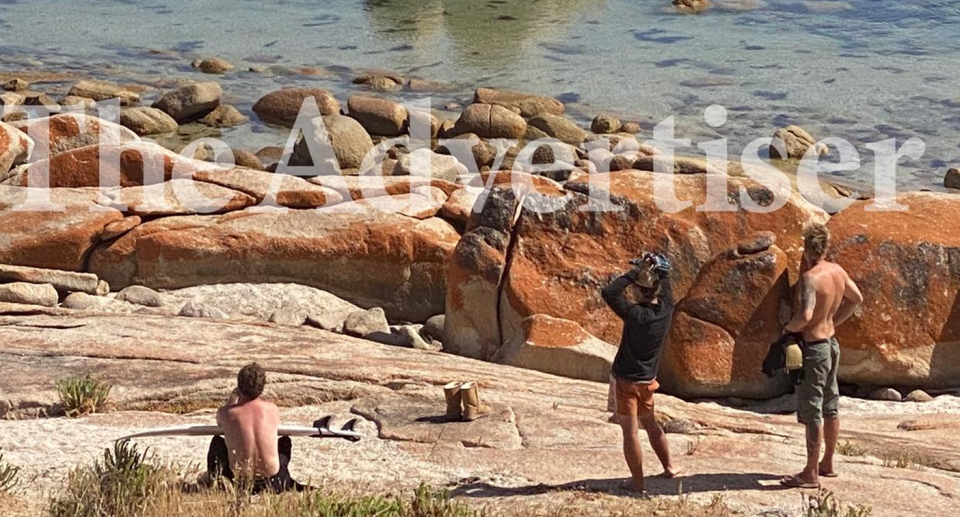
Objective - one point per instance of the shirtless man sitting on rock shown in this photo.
(827, 297)
(250, 450)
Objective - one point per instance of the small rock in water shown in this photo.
(190, 102)
(246, 159)
(382, 81)
(918, 396)
(16, 85)
(605, 124)
(630, 127)
(952, 179)
(84, 102)
(795, 141)
(143, 120)
(140, 295)
(212, 65)
(363, 323)
(887, 394)
(29, 294)
(224, 115)
(283, 106)
(102, 90)
(693, 6)
(194, 309)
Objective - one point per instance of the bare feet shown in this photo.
(671, 472)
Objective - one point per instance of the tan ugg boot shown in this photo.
(473, 408)
(453, 393)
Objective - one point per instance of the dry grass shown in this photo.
(128, 482)
(82, 395)
(849, 448)
(825, 504)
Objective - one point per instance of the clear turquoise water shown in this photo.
(864, 70)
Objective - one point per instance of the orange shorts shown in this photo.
(634, 398)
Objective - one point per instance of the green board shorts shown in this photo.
(818, 395)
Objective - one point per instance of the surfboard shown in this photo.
(318, 431)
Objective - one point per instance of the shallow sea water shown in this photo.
(862, 70)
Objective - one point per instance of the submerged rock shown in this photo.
(212, 65)
(795, 141)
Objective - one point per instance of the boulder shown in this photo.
(131, 164)
(723, 328)
(191, 102)
(368, 257)
(378, 116)
(418, 121)
(350, 142)
(52, 240)
(29, 294)
(147, 121)
(140, 295)
(919, 396)
(886, 394)
(565, 130)
(490, 121)
(102, 90)
(426, 163)
(282, 106)
(433, 328)
(908, 269)
(460, 205)
(560, 347)
(527, 105)
(380, 80)
(363, 323)
(212, 65)
(562, 254)
(180, 196)
(605, 124)
(194, 309)
(15, 148)
(68, 131)
(247, 160)
(795, 141)
(16, 85)
(289, 191)
(83, 102)
(276, 303)
(62, 281)
(224, 115)
(952, 179)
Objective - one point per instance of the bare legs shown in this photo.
(811, 473)
(633, 452)
(831, 434)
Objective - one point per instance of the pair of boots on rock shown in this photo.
(463, 402)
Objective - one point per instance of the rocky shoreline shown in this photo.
(448, 235)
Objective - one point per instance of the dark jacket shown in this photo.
(645, 328)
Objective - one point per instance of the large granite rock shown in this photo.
(147, 121)
(181, 196)
(378, 116)
(907, 264)
(283, 106)
(526, 104)
(131, 164)
(368, 257)
(68, 131)
(723, 328)
(60, 239)
(280, 189)
(15, 148)
(560, 347)
(560, 257)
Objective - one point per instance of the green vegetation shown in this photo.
(849, 448)
(82, 395)
(908, 460)
(825, 504)
(9, 477)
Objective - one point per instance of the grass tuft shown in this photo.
(825, 504)
(82, 395)
(9, 477)
(849, 448)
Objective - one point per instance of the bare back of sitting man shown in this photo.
(826, 298)
(250, 449)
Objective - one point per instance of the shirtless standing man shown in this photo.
(250, 449)
(827, 297)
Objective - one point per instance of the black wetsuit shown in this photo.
(645, 327)
(218, 463)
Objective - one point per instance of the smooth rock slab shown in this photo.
(421, 419)
(29, 294)
(64, 281)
